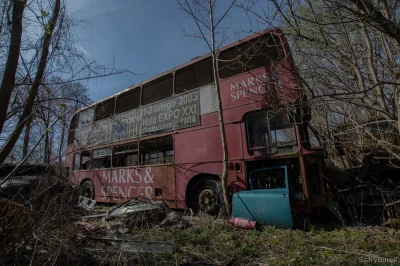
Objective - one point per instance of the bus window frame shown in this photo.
(80, 161)
(170, 75)
(137, 141)
(269, 149)
(93, 158)
(131, 91)
(141, 163)
(104, 103)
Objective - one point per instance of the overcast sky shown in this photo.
(142, 36)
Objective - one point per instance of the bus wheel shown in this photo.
(87, 189)
(208, 193)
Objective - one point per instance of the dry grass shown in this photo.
(40, 231)
(214, 242)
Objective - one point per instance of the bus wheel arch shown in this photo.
(86, 188)
(204, 192)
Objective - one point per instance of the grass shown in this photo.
(215, 242)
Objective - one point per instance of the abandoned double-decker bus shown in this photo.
(161, 138)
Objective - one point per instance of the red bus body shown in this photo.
(197, 149)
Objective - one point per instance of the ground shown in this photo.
(213, 242)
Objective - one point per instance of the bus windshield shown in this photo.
(270, 133)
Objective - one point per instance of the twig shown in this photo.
(393, 203)
(34, 252)
(210, 260)
(346, 251)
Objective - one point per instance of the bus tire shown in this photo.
(87, 189)
(206, 197)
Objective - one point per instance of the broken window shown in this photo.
(157, 151)
(72, 128)
(195, 76)
(283, 134)
(250, 55)
(127, 101)
(77, 161)
(270, 133)
(104, 109)
(85, 160)
(155, 91)
(102, 158)
(126, 155)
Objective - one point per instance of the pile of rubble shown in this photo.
(110, 231)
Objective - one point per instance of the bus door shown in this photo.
(267, 201)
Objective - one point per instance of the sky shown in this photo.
(144, 37)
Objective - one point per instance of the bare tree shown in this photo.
(346, 56)
(40, 46)
(207, 26)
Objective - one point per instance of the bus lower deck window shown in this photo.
(157, 151)
(85, 160)
(126, 155)
(102, 158)
(77, 161)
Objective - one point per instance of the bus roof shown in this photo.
(181, 66)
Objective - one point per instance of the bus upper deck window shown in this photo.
(184, 80)
(127, 101)
(196, 75)
(157, 90)
(104, 109)
(253, 54)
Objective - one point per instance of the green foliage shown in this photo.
(44, 13)
(47, 29)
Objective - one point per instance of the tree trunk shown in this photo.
(10, 70)
(48, 33)
(224, 176)
(27, 137)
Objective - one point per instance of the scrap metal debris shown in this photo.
(115, 226)
(243, 223)
(85, 226)
(86, 203)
